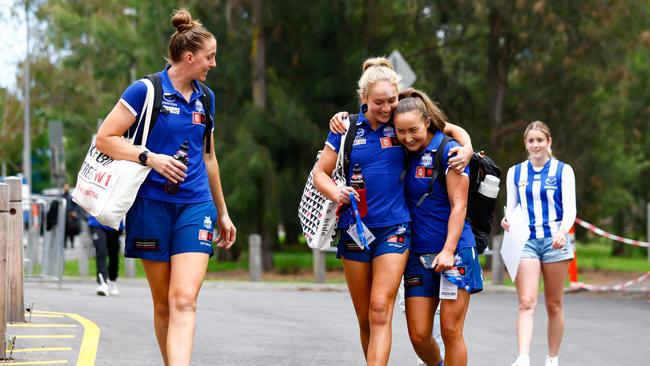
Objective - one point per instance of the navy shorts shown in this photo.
(392, 239)
(156, 230)
(425, 282)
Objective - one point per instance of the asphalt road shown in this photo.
(271, 324)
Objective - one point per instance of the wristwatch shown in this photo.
(143, 157)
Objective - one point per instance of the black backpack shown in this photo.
(480, 208)
(158, 108)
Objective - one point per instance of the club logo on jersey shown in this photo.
(389, 131)
(361, 132)
(400, 230)
(551, 183)
(207, 223)
(359, 142)
(423, 172)
(198, 106)
(427, 159)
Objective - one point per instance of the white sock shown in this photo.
(552, 361)
(522, 361)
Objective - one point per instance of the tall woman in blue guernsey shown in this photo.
(443, 262)
(171, 231)
(545, 189)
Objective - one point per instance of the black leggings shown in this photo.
(107, 244)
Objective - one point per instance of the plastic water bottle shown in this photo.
(180, 155)
(489, 186)
(359, 184)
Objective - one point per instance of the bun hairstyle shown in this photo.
(190, 35)
(543, 128)
(374, 70)
(416, 100)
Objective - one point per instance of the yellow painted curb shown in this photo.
(90, 340)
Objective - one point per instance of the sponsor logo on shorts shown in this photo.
(205, 235)
(413, 280)
(351, 246)
(151, 245)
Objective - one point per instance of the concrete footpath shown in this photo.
(242, 323)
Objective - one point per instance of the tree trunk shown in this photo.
(500, 44)
(258, 63)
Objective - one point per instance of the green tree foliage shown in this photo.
(494, 66)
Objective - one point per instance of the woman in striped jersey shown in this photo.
(545, 189)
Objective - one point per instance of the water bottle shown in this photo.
(180, 155)
(489, 186)
(359, 184)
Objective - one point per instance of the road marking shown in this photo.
(44, 336)
(44, 315)
(44, 325)
(90, 340)
(43, 349)
(53, 362)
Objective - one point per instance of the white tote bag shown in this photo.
(316, 212)
(107, 188)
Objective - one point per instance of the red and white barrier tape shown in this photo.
(619, 287)
(603, 233)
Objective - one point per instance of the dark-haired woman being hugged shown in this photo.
(170, 227)
(372, 273)
(545, 189)
(443, 263)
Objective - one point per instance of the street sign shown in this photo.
(403, 68)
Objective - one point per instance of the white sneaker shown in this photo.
(103, 289)
(552, 361)
(114, 291)
(521, 361)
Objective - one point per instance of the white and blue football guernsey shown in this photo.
(547, 196)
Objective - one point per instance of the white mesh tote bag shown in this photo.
(316, 212)
(106, 188)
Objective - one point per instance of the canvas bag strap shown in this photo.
(147, 109)
(340, 158)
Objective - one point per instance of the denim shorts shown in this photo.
(157, 230)
(425, 282)
(541, 249)
(391, 239)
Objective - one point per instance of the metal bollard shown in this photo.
(255, 257)
(497, 263)
(16, 303)
(4, 235)
(318, 258)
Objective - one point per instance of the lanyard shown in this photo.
(357, 216)
(458, 280)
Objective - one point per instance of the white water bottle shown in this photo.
(489, 186)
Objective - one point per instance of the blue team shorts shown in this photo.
(541, 249)
(425, 282)
(392, 239)
(156, 230)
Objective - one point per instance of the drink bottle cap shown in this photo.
(185, 145)
(491, 180)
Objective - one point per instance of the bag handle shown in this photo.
(147, 109)
(340, 158)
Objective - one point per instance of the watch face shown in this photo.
(143, 157)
